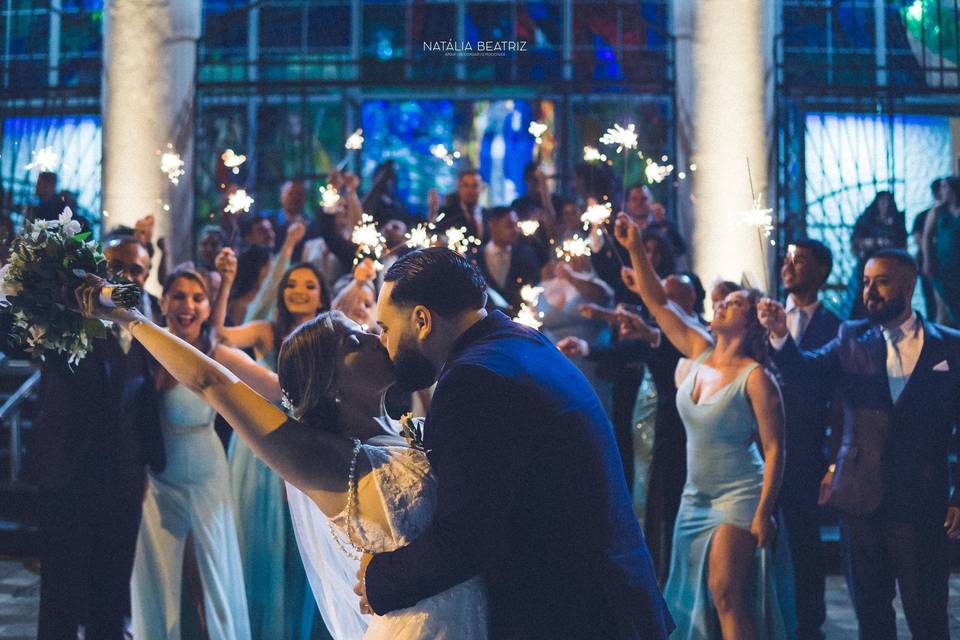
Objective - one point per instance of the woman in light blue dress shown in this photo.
(723, 569)
(278, 596)
(192, 495)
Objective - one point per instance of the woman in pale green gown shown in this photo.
(278, 596)
(723, 570)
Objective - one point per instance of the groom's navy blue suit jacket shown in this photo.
(531, 496)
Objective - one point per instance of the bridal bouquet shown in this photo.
(47, 262)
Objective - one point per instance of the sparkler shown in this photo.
(239, 201)
(172, 164)
(329, 197)
(527, 314)
(575, 247)
(44, 159)
(354, 143)
(420, 237)
(657, 172)
(367, 237)
(232, 160)
(597, 216)
(624, 139)
(761, 218)
(537, 129)
(440, 152)
(459, 241)
(528, 227)
(592, 154)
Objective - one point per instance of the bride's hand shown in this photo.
(88, 299)
(764, 530)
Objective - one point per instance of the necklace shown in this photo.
(352, 499)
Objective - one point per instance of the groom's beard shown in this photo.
(412, 369)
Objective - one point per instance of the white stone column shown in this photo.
(148, 102)
(724, 75)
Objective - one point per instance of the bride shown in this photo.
(333, 375)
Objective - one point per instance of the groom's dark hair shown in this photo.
(440, 279)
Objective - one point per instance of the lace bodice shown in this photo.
(407, 492)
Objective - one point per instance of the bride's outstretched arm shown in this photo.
(314, 460)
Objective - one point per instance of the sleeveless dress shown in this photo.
(405, 488)
(946, 246)
(191, 495)
(278, 597)
(724, 480)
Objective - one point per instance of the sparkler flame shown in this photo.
(232, 160)
(574, 247)
(537, 129)
(329, 196)
(172, 164)
(596, 214)
(459, 241)
(355, 141)
(657, 172)
(758, 216)
(367, 237)
(420, 237)
(592, 154)
(44, 159)
(530, 294)
(528, 317)
(623, 138)
(441, 152)
(239, 201)
(528, 227)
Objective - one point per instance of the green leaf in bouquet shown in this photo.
(82, 237)
(94, 328)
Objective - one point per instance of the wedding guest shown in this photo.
(644, 342)
(537, 203)
(49, 204)
(462, 208)
(660, 251)
(566, 288)
(330, 248)
(592, 181)
(806, 405)
(916, 232)
(720, 290)
(210, 241)
(257, 230)
(383, 200)
(506, 260)
(651, 215)
(253, 265)
(729, 403)
(898, 378)
(293, 201)
(276, 585)
(356, 296)
(941, 239)
(192, 494)
(880, 226)
(96, 430)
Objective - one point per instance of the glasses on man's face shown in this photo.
(131, 270)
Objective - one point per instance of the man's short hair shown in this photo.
(463, 173)
(441, 280)
(935, 187)
(248, 221)
(47, 176)
(496, 213)
(821, 253)
(899, 256)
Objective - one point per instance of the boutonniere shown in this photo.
(412, 430)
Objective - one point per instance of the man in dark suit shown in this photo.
(531, 493)
(898, 377)
(506, 260)
(806, 403)
(96, 431)
(462, 208)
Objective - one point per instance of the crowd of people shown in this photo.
(769, 415)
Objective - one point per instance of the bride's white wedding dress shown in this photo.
(396, 502)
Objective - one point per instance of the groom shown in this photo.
(531, 491)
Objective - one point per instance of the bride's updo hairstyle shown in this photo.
(307, 369)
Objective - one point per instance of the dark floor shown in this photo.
(20, 591)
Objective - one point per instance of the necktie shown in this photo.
(503, 267)
(895, 375)
(799, 324)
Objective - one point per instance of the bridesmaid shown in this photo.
(192, 495)
(720, 582)
(278, 597)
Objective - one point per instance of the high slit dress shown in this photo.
(724, 481)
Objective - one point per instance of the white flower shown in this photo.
(36, 333)
(68, 225)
